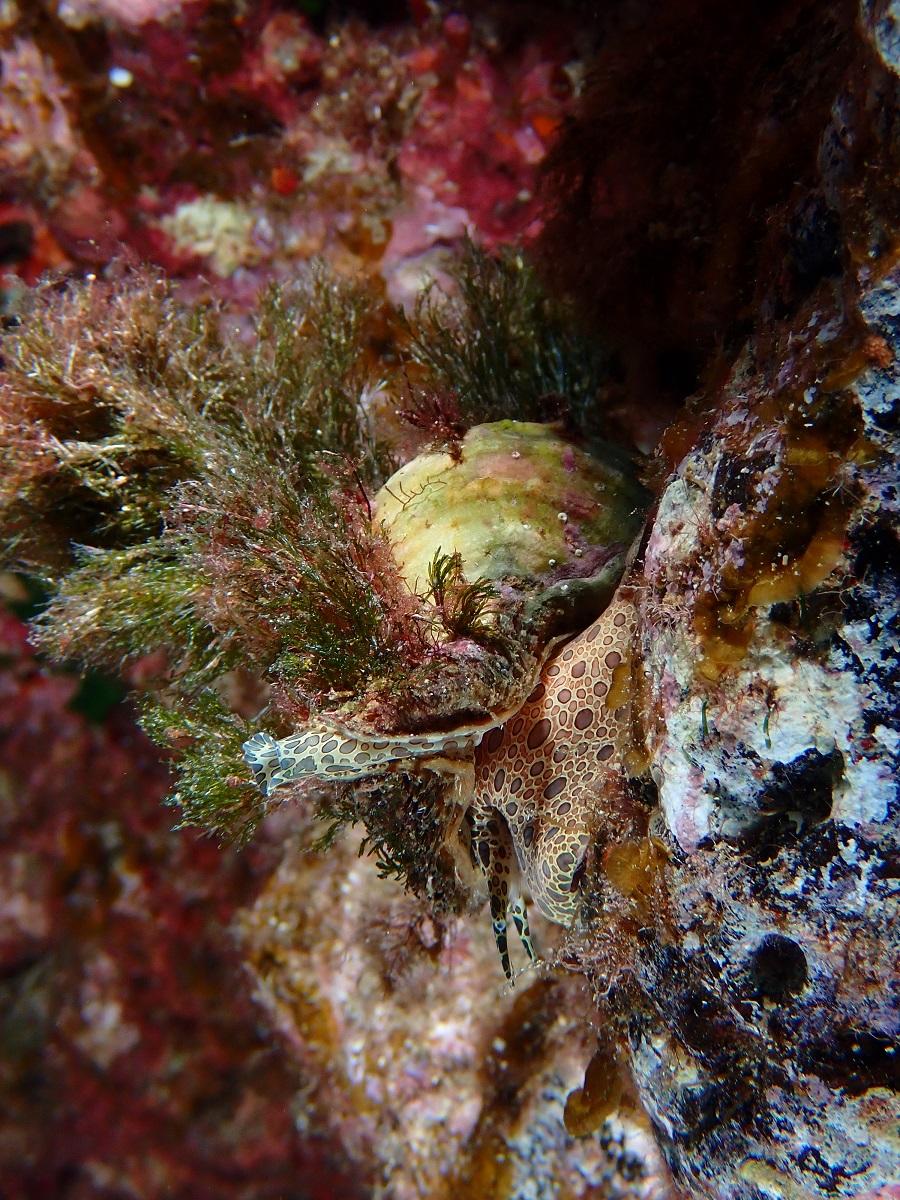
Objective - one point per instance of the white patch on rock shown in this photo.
(218, 230)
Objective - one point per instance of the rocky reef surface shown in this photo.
(239, 141)
(769, 632)
(191, 503)
(438, 1081)
(769, 640)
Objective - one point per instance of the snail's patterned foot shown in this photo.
(327, 750)
(496, 857)
(520, 920)
(263, 757)
(498, 899)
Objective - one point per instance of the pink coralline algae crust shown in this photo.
(133, 1060)
(472, 151)
(78, 13)
(238, 143)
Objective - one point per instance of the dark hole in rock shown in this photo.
(643, 791)
(887, 418)
(703, 1021)
(735, 482)
(16, 240)
(702, 1106)
(777, 968)
(782, 613)
(678, 369)
(375, 13)
(877, 556)
(805, 785)
(815, 251)
(889, 868)
(854, 1060)
(799, 796)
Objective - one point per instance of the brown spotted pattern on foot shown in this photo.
(539, 778)
(539, 771)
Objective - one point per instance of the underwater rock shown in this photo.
(765, 1045)
(769, 641)
(517, 501)
(125, 122)
(436, 1080)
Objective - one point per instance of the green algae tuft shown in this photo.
(195, 490)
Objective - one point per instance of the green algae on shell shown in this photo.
(518, 502)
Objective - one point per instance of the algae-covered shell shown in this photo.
(518, 501)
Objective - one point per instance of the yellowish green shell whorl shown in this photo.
(522, 502)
